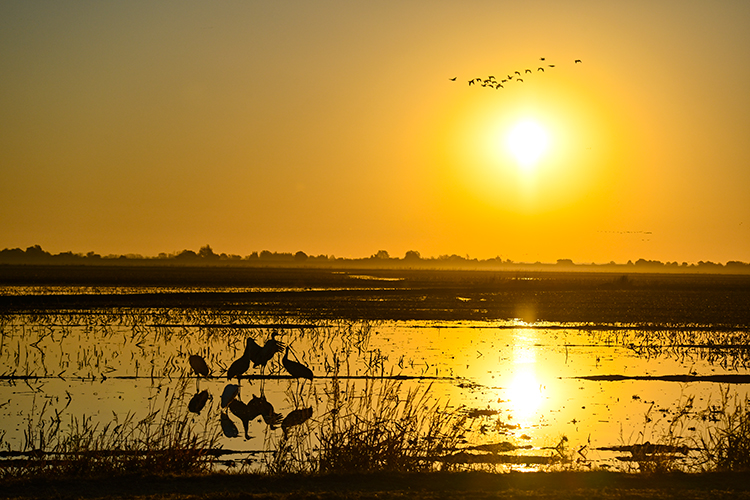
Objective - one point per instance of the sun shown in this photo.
(528, 142)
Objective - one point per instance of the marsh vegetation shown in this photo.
(97, 382)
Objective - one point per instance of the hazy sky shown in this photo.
(333, 128)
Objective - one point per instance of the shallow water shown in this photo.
(515, 381)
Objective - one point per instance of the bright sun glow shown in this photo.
(528, 142)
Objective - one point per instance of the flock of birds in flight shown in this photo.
(258, 406)
(515, 76)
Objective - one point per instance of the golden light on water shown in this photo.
(525, 394)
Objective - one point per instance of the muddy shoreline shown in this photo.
(477, 485)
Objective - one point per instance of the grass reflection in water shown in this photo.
(357, 413)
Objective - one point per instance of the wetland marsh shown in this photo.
(413, 370)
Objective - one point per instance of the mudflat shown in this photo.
(390, 294)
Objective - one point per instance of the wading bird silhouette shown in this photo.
(200, 368)
(242, 364)
(295, 368)
(267, 352)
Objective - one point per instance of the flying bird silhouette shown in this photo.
(453, 79)
(577, 61)
(540, 69)
(519, 80)
(527, 70)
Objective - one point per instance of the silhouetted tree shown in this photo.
(300, 256)
(12, 255)
(36, 253)
(382, 254)
(207, 252)
(412, 255)
(186, 255)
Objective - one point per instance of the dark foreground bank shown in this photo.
(471, 485)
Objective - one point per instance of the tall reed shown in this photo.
(374, 426)
(164, 441)
(725, 445)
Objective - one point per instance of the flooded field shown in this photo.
(461, 387)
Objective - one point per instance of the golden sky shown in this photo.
(333, 128)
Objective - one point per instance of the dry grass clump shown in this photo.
(713, 439)
(725, 446)
(163, 442)
(385, 430)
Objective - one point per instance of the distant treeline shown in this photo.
(412, 259)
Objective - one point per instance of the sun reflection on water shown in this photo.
(524, 392)
(525, 395)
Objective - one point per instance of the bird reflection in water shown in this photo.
(296, 417)
(230, 392)
(200, 368)
(228, 427)
(198, 401)
(244, 413)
